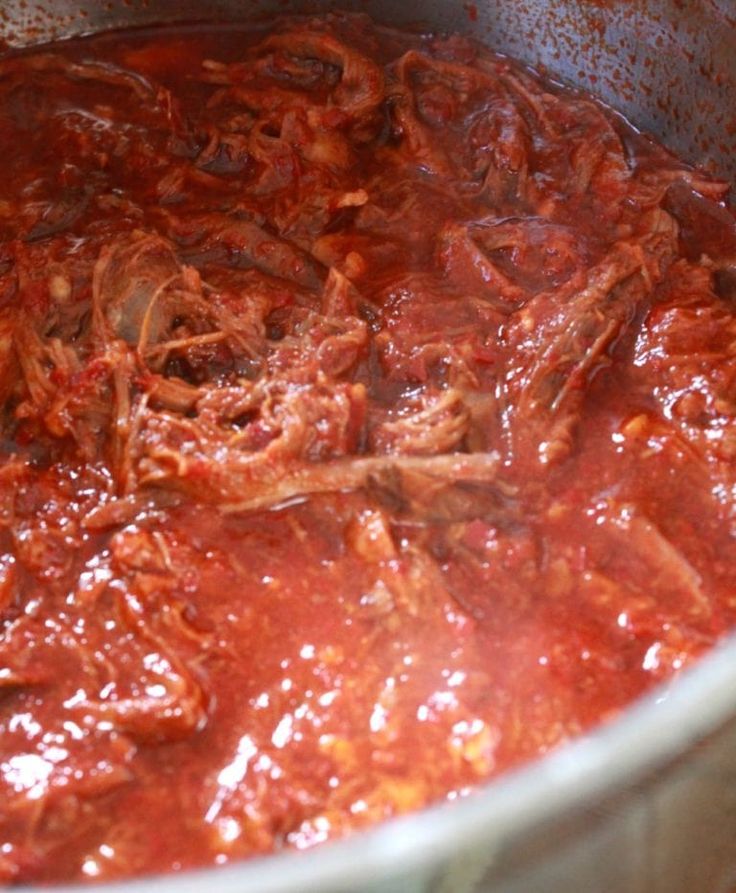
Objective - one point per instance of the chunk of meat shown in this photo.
(148, 94)
(513, 258)
(425, 424)
(8, 356)
(144, 296)
(130, 280)
(431, 94)
(249, 440)
(572, 345)
(417, 346)
(361, 81)
(176, 456)
(683, 334)
(463, 258)
(416, 494)
(502, 146)
(633, 538)
(217, 238)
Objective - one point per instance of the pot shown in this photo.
(647, 803)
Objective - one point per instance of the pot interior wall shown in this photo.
(668, 65)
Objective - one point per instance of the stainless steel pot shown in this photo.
(649, 803)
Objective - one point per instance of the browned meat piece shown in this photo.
(464, 259)
(300, 61)
(8, 357)
(248, 439)
(361, 81)
(340, 297)
(178, 455)
(129, 290)
(707, 228)
(513, 258)
(502, 146)
(430, 95)
(219, 239)
(577, 150)
(637, 549)
(144, 296)
(569, 347)
(417, 345)
(598, 160)
(417, 494)
(424, 424)
(326, 345)
(687, 344)
(683, 191)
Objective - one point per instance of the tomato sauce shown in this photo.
(367, 430)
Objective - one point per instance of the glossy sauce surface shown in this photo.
(367, 430)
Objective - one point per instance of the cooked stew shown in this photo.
(367, 430)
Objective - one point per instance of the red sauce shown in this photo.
(367, 430)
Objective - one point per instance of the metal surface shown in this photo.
(648, 804)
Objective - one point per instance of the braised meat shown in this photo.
(367, 428)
